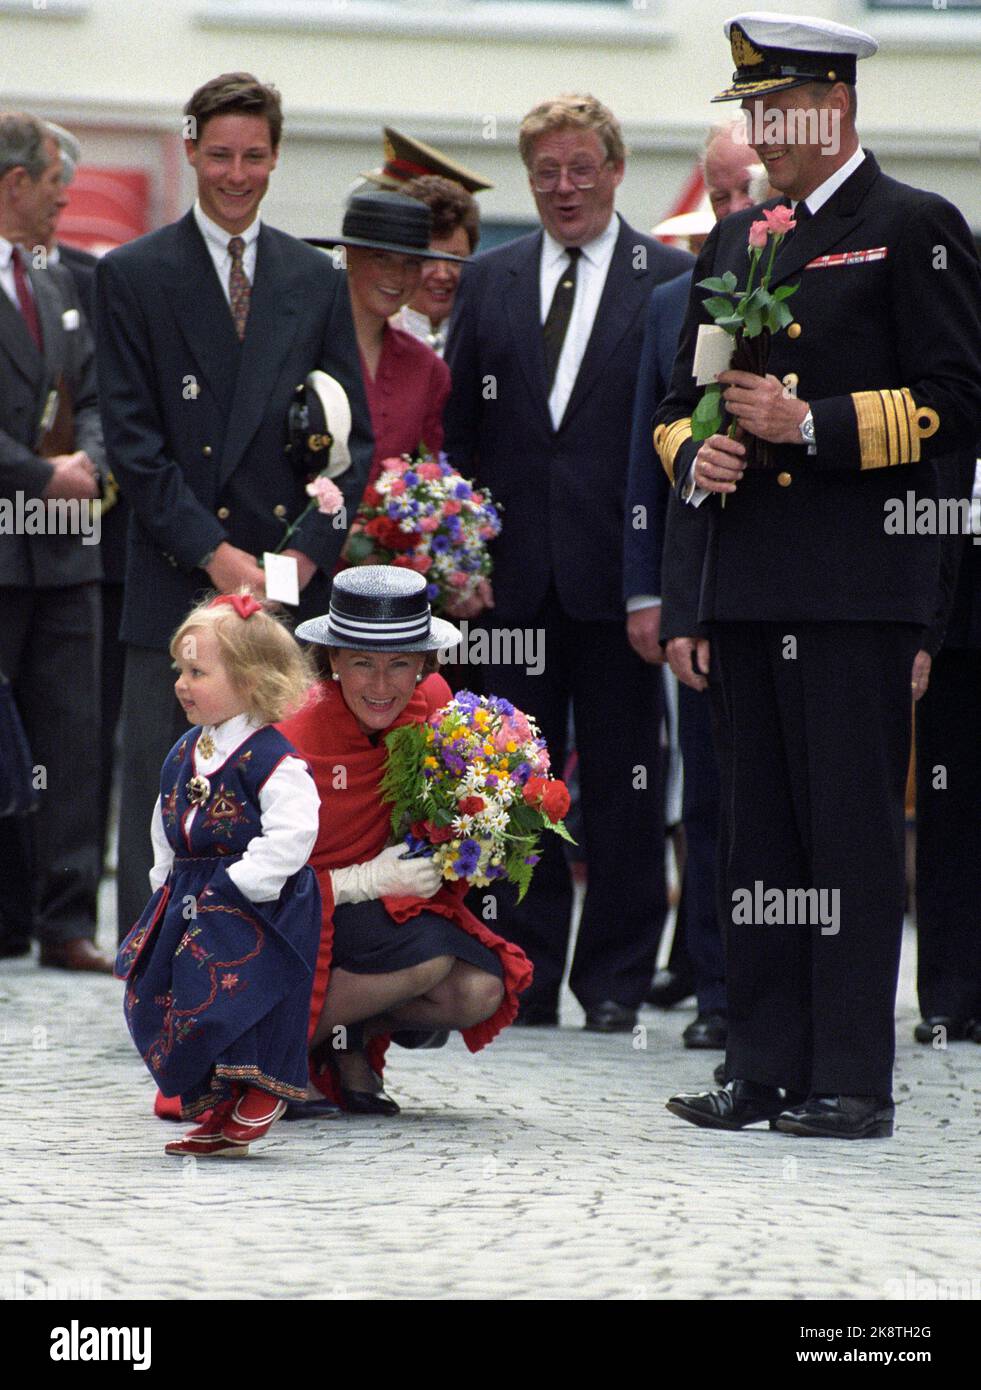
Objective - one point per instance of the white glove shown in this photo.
(387, 875)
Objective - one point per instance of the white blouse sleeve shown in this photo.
(163, 855)
(289, 804)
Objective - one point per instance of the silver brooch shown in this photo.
(198, 790)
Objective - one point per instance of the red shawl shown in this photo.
(355, 826)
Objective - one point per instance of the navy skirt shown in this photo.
(368, 942)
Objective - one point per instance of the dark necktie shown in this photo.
(802, 214)
(25, 299)
(239, 289)
(560, 311)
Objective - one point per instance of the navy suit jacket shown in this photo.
(561, 491)
(647, 482)
(196, 422)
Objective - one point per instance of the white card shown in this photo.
(713, 353)
(282, 578)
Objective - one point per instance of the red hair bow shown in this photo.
(244, 604)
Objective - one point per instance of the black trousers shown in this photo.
(948, 838)
(152, 722)
(49, 860)
(617, 704)
(700, 815)
(113, 665)
(819, 722)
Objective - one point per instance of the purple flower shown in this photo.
(394, 511)
(461, 490)
(454, 763)
(432, 592)
(521, 774)
(409, 478)
(532, 859)
(439, 544)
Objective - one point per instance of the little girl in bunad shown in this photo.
(219, 967)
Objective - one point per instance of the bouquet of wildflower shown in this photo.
(751, 316)
(471, 787)
(421, 514)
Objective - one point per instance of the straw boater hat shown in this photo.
(774, 52)
(387, 222)
(407, 158)
(379, 608)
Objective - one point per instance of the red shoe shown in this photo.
(254, 1115)
(207, 1139)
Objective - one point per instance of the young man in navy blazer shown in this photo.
(544, 345)
(205, 328)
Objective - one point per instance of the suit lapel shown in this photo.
(525, 319)
(50, 307)
(18, 343)
(839, 216)
(202, 312)
(274, 316)
(615, 313)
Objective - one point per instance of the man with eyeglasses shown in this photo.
(543, 347)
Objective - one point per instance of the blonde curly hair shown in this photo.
(576, 111)
(262, 658)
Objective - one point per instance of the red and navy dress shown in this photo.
(218, 987)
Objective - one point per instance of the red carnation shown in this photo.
(471, 805)
(533, 790)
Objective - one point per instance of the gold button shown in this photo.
(794, 330)
(832, 75)
(207, 451)
(223, 513)
(785, 479)
(279, 509)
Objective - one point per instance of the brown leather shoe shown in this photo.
(77, 954)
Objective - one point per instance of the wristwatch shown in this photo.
(806, 428)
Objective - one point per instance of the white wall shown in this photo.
(461, 74)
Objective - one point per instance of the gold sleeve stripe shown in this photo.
(890, 427)
(668, 439)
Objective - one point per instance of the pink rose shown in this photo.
(421, 563)
(429, 471)
(780, 220)
(394, 465)
(458, 579)
(427, 524)
(329, 497)
(478, 498)
(758, 234)
(452, 507)
(396, 488)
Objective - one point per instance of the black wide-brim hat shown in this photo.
(387, 221)
(379, 608)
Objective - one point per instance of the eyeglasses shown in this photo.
(545, 179)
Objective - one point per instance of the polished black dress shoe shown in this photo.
(413, 1038)
(839, 1117)
(368, 1102)
(954, 1029)
(719, 1074)
(669, 988)
(736, 1105)
(610, 1017)
(534, 1015)
(707, 1030)
(319, 1109)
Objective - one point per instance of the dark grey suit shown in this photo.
(49, 627)
(196, 431)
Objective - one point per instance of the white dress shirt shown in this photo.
(289, 806)
(591, 272)
(419, 325)
(814, 201)
(216, 239)
(7, 273)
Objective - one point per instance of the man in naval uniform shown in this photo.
(814, 611)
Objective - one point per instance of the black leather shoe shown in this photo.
(955, 1030)
(413, 1038)
(839, 1117)
(320, 1109)
(610, 1017)
(368, 1102)
(669, 988)
(738, 1104)
(719, 1075)
(534, 1015)
(707, 1030)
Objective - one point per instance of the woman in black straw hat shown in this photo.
(400, 955)
(386, 239)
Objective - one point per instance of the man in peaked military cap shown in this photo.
(812, 611)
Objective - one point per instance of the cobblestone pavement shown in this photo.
(545, 1166)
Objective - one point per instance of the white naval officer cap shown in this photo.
(773, 52)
